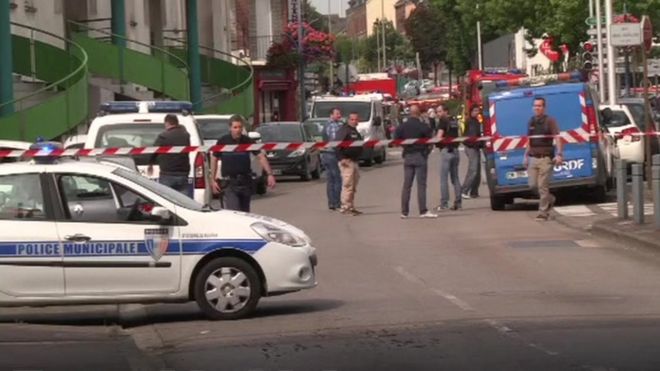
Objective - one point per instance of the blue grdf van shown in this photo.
(587, 152)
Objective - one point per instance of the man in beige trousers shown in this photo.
(541, 156)
(348, 164)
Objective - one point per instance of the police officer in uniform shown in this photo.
(236, 173)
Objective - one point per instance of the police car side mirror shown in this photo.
(254, 136)
(160, 214)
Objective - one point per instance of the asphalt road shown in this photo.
(473, 289)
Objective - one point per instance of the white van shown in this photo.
(370, 111)
(138, 124)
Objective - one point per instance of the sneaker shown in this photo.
(456, 207)
(466, 196)
(357, 212)
(404, 216)
(428, 215)
(441, 208)
(541, 218)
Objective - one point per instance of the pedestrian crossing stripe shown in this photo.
(605, 208)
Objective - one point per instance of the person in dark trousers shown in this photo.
(415, 162)
(540, 156)
(473, 152)
(449, 159)
(331, 162)
(236, 173)
(174, 169)
(348, 164)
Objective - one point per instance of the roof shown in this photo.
(64, 165)
(538, 90)
(355, 98)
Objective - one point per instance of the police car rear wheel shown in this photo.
(227, 288)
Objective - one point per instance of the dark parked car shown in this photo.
(305, 163)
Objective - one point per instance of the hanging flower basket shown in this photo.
(317, 47)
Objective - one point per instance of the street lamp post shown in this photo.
(301, 64)
(382, 28)
(479, 54)
(332, 72)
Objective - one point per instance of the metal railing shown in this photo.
(158, 69)
(222, 73)
(64, 72)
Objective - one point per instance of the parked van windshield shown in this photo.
(363, 109)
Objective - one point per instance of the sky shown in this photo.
(336, 6)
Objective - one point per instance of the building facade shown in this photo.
(402, 10)
(356, 18)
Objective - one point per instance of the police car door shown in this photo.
(111, 244)
(30, 255)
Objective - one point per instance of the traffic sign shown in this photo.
(591, 21)
(625, 34)
(647, 33)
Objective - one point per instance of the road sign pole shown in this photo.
(611, 67)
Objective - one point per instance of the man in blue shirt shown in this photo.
(330, 161)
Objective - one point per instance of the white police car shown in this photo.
(79, 232)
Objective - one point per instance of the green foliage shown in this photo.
(446, 29)
(397, 47)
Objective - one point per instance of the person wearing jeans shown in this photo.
(449, 159)
(331, 162)
(472, 151)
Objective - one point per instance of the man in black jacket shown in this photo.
(473, 152)
(415, 162)
(174, 168)
(348, 164)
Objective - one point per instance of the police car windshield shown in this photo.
(363, 109)
(213, 128)
(167, 193)
(638, 113)
(280, 133)
(129, 135)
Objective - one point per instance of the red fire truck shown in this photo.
(480, 83)
(373, 83)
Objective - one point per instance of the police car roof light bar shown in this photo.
(46, 146)
(120, 107)
(170, 107)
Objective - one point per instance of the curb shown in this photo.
(604, 230)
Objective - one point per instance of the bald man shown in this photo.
(415, 162)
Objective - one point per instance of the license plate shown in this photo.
(277, 172)
(516, 174)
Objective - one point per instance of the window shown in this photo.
(97, 200)
(21, 197)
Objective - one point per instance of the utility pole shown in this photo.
(301, 63)
(599, 42)
(6, 62)
(332, 72)
(382, 28)
(611, 68)
(377, 44)
(479, 56)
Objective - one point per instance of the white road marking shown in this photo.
(575, 211)
(610, 208)
(508, 332)
(588, 243)
(463, 305)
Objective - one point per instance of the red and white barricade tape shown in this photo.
(510, 142)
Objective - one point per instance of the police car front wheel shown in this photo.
(227, 288)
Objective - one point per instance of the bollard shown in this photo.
(621, 188)
(638, 193)
(655, 176)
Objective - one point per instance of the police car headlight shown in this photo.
(272, 233)
(297, 153)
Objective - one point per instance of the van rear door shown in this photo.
(513, 109)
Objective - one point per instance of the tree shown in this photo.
(397, 48)
(427, 32)
(315, 19)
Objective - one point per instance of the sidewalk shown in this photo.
(627, 232)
